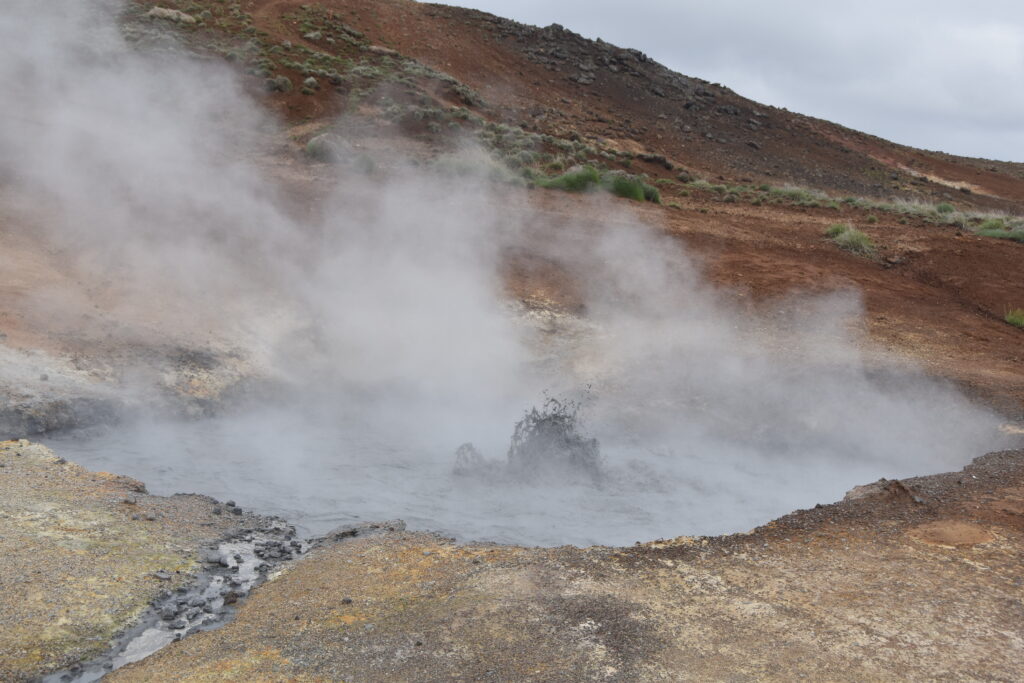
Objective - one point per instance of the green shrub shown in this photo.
(623, 185)
(574, 180)
(1015, 317)
(872, 218)
(630, 186)
(850, 239)
(993, 224)
(619, 183)
(1003, 234)
(945, 208)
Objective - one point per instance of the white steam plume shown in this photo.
(383, 310)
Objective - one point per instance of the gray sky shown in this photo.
(938, 74)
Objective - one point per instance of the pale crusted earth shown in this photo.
(912, 580)
(79, 556)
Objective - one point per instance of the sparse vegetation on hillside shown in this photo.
(619, 183)
(574, 180)
(981, 223)
(1001, 234)
(847, 237)
(1015, 317)
(623, 184)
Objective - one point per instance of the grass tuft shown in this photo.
(578, 179)
(623, 185)
(850, 239)
(1003, 234)
(993, 224)
(836, 229)
(619, 183)
(1015, 317)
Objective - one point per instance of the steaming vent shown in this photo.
(546, 444)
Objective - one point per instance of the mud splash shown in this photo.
(546, 444)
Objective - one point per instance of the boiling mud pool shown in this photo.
(319, 476)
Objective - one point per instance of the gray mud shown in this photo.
(231, 570)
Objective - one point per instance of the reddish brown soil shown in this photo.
(717, 133)
(933, 293)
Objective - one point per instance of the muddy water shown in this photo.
(319, 475)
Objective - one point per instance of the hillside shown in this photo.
(545, 300)
(750, 189)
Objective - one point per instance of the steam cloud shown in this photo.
(381, 310)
